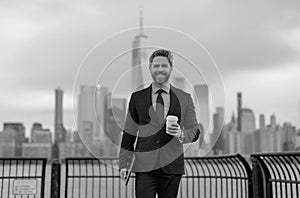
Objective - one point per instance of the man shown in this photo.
(158, 151)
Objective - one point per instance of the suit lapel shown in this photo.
(149, 106)
(174, 103)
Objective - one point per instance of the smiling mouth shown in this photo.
(160, 74)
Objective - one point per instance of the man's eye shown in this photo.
(156, 65)
(164, 65)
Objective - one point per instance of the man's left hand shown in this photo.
(174, 130)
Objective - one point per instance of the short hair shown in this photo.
(164, 53)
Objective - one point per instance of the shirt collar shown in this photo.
(166, 87)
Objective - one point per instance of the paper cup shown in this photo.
(171, 120)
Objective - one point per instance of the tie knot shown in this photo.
(159, 91)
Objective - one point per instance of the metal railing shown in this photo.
(88, 177)
(218, 176)
(21, 177)
(223, 176)
(276, 174)
(272, 175)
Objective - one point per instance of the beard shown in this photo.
(160, 77)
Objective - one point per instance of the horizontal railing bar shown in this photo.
(277, 154)
(186, 158)
(21, 177)
(111, 176)
(212, 157)
(89, 159)
(284, 181)
(22, 159)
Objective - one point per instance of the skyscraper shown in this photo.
(239, 111)
(139, 57)
(262, 123)
(91, 113)
(217, 136)
(201, 101)
(13, 138)
(59, 130)
(202, 113)
(273, 121)
(248, 128)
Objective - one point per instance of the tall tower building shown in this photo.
(239, 111)
(262, 123)
(218, 136)
(248, 128)
(201, 101)
(139, 57)
(59, 130)
(14, 136)
(273, 121)
(91, 113)
(202, 113)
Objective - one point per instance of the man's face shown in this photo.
(160, 69)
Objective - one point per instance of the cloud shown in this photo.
(43, 42)
(251, 35)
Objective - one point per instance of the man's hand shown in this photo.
(174, 130)
(123, 173)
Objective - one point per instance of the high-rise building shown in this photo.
(262, 123)
(37, 150)
(15, 132)
(91, 113)
(297, 141)
(234, 137)
(59, 130)
(247, 129)
(40, 135)
(139, 57)
(202, 114)
(289, 137)
(7, 143)
(217, 136)
(201, 101)
(103, 103)
(273, 121)
(257, 139)
(117, 119)
(239, 111)
(75, 149)
(221, 112)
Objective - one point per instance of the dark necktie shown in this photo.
(160, 106)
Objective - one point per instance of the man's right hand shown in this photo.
(123, 173)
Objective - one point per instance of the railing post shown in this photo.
(258, 185)
(55, 178)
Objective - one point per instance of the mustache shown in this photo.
(163, 73)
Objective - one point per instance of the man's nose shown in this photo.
(160, 68)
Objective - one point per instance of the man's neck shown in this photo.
(161, 85)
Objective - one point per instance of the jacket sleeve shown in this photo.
(191, 129)
(129, 135)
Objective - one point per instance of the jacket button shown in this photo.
(157, 141)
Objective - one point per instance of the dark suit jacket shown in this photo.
(153, 143)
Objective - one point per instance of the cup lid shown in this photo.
(172, 117)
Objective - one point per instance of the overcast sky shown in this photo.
(256, 45)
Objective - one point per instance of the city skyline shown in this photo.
(256, 55)
(92, 89)
(90, 139)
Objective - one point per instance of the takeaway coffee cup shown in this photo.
(171, 120)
